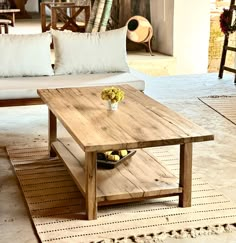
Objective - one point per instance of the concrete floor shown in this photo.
(214, 160)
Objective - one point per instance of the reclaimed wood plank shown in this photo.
(185, 176)
(73, 165)
(140, 122)
(91, 184)
(21, 102)
(139, 177)
(152, 123)
(196, 133)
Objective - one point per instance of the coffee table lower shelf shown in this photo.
(140, 177)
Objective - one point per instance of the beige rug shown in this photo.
(57, 208)
(224, 105)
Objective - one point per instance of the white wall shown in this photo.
(162, 17)
(191, 35)
(32, 6)
(182, 30)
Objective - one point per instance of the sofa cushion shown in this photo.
(90, 52)
(25, 55)
(26, 87)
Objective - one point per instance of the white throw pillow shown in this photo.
(25, 55)
(90, 52)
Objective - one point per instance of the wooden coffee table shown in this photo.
(139, 122)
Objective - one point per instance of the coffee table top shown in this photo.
(139, 121)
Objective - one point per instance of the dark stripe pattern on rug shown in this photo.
(224, 105)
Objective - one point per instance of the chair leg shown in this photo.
(6, 28)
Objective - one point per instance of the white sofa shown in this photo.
(23, 90)
(81, 59)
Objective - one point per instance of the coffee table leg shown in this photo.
(52, 132)
(185, 177)
(90, 175)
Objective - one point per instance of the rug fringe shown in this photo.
(180, 234)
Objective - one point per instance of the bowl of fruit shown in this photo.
(111, 159)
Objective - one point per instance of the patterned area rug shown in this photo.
(224, 105)
(57, 208)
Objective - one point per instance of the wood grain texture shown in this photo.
(52, 132)
(44, 25)
(73, 165)
(59, 13)
(185, 177)
(65, 14)
(138, 123)
(91, 184)
(21, 102)
(138, 178)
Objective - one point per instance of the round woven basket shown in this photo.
(139, 29)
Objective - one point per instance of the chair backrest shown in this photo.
(4, 4)
(100, 15)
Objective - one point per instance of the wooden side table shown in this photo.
(65, 14)
(9, 14)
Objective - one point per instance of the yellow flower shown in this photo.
(114, 94)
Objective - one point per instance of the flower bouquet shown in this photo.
(113, 95)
